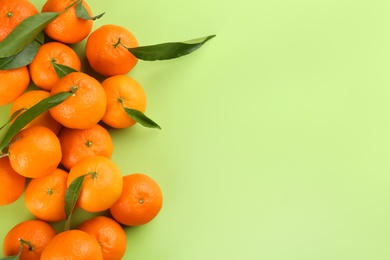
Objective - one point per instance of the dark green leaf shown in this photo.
(71, 196)
(31, 113)
(62, 70)
(170, 50)
(13, 116)
(82, 13)
(141, 118)
(22, 58)
(25, 33)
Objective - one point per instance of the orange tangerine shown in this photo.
(85, 107)
(42, 69)
(102, 185)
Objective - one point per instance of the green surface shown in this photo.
(275, 135)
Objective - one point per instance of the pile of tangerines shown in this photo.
(61, 157)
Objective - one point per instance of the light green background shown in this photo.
(275, 139)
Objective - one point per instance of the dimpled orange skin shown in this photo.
(101, 187)
(12, 13)
(37, 232)
(109, 234)
(85, 107)
(105, 55)
(29, 99)
(122, 91)
(140, 202)
(13, 83)
(11, 183)
(77, 144)
(67, 27)
(41, 68)
(73, 245)
(45, 196)
(35, 152)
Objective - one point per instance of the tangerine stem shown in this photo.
(117, 43)
(73, 89)
(121, 100)
(94, 175)
(28, 243)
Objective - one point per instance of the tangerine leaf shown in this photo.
(62, 70)
(141, 118)
(71, 196)
(22, 120)
(82, 13)
(22, 58)
(25, 33)
(169, 50)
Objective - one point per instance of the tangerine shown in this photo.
(102, 185)
(85, 107)
(13, 83)
(45, 196)
(109, 234)
(140, 202)
(36, 233)
(67, 27)
(35, 152)
(122, 91)
(107, 52)
(79, 143)
(72, 244)
(42, 70)
(11, 183)
(12, 13)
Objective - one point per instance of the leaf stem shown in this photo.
(70, 6)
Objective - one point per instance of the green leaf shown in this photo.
(82, 13)
(62, 70)
(31, 113)
(71, 196)
(25, 33)
(22, 58)
(141, 118)
(170, 50)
